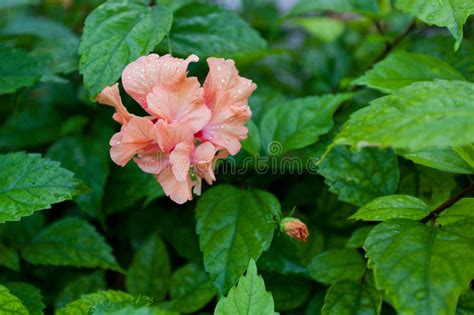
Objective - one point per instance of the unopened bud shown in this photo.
(294, 228)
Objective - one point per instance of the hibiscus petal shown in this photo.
(153, 163)
(179, 192)
(110, 95)
(182, 103)
(226, 94)
(169, 135)
(141, 76)
(180, 159)
(136, 136)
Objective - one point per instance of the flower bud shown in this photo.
(294, 228)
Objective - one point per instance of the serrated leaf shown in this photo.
(84, 284)
(419, 116)
(337, 264)
(10, 304)
(461, 210)
(29, 296)
(190, 289)
(423, 269)
(115, 34)
(359, 177)
(234, 226)
(31, 183)
(118, 309)
(150, 270)
(86, 303)
(248, 297)
(89, 160)
(444, 159)
(352, 297)
(208, 30)
(70, 242)
(9, 258)
(17, 69)
(358, 237)
(450, 13)
(392, 207)
(402, 68)
(299, 122)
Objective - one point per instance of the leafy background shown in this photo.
(380, 93)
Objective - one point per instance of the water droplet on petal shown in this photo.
(222, 126)
(226, 141)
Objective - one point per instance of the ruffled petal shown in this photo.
(141, 76)
(154, 162)
(110, 95)
(169, 135)
(182, 103)
(178, 191)
(203, 159)
(226, 94)
(180, 159)
(138, 135)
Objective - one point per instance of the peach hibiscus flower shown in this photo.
(188, 128)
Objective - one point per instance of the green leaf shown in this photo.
(324, 28)
(253, 143)
(466, 303)
(289, 292)
(29, 296)
(84, 284)
(248, 297)
(9, 258)
(150, 269)
(298, 123)
(70, 242)
(207, 30)
(450, 13)
(337, 264)
(352, 297)
(115, 34)
(86, 303)
(466, 152)
(17, 69)
(392, 207)
(358, 237)
(128, 185)
(107, 308)
(360, 6)
(461, 210)
(10, 304)
(423, 269)
(431, 186)
(89, 160)
(286, 256)
(402, 68)
(190, 289)
(6, 4)
(359, 177)
(31, 183)
(234, 226)
(416, 117)
(30, 126)
(444, 159)
(57, 46)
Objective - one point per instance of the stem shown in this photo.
(170, 49)
(390, 46)
(435, 213)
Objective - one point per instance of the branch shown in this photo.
(435, 213)
(390, 46)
